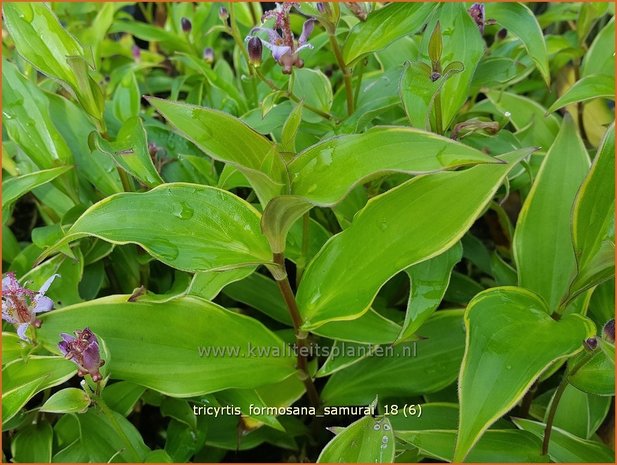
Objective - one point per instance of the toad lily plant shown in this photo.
(393, 222)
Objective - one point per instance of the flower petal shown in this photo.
(307, 29)
(47, 283)
(21, 331)
(277, 50)
(273, 36)
(302, 47)
(7, 315)
(42, 304)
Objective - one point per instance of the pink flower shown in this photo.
(21, 305)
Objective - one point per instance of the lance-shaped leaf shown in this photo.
(187, 226)
(279, 216)
(429, 281)
(24, 378)
(589, 87)
(325, 172)
(564, 447)
(520, 21)
(130, 151)
(394, 231)
(33, 443)
(593, 219)
(228, 139)
(384, 26)
(543, 239)
(183, 348)
(510, 340)
(368, 440)
(600, 58)
(67, 400)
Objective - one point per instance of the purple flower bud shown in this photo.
(223, 13)
(502, 33)
(435, 75)
(208, 54)
(477, 14)
(609, 331)
(590, 343)
(136, 52)
(321, 7)
(83, 350)
(255, 49)
(186, 24)
(152, 149)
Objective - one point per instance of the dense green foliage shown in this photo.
(210, 209)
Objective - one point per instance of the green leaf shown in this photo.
(596, 376)
(165, 354)
(435, 44)
(228, 139)
(412, 368)
(33, 444)
(187, 226)
(122, 396)
(326, 172)
(384, 26)
(127, 98)
(429, 281)
(394, 231)
(565, 447)
(24, 378)
(511, 340)
(130, 151)
(209, 284)
(520, 21)
(496, 446)
(543, 240)
(13, 347)
(40, 38)
(589, 87)
(314, 89)
(593, 219)
(14, 188)
(67, 400)
(368, 440)
(290, 129)
(600, 58)
(278, 218)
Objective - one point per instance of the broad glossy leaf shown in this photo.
(394, 231)
(565, 447)
(12, 347)
(67, 401)
(593, 219)
(589, 87)
(228, 139)
(520, 21)
(412, 368)
(158, 345)
(511, 340)
(208, 284)
(24, 378)
(429, 281)
(368, 440)
(33, 444)
(187, 226)
(122, 396)
(384, 26)
(597, 376)
(543, 239)
(496, 446)
(325, 172)
(130, 151)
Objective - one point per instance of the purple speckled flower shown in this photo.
(477, 14)
(21, 305)
(83, 350)
(281, 41)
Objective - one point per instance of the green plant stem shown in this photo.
(235, 32)
(296, 318)
(344, 69)
(110, 416)
(126, 182)
(550, 418)
(359, 82)
(438, 116)
(292, 96)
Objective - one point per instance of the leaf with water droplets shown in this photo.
(187, 226)
(368, 440)
(511, 340)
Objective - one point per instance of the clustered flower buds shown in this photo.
(21, 305)
(223, 14)
(83, 350)
(477, 14)
(357, 9)
(281, 41)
